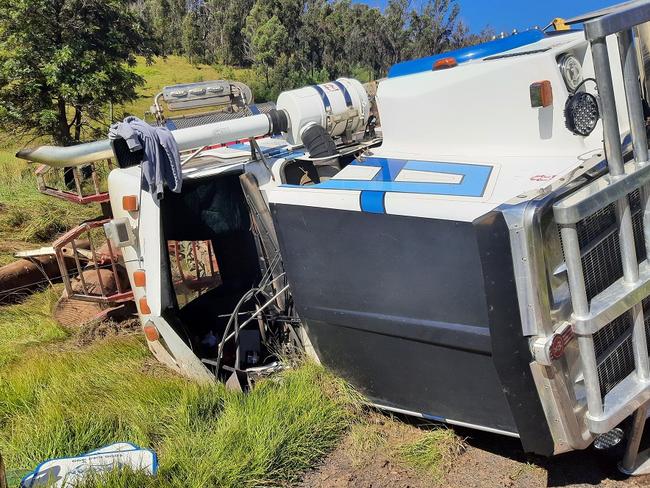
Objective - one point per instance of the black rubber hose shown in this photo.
(321, 145)
(279, 121)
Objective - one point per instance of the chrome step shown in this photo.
(624, 399)
(600, 193)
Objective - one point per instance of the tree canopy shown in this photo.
(300, 41)
(63, 59)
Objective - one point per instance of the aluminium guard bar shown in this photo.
(605, 411)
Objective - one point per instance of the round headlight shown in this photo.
(581, 113)
(571, 70)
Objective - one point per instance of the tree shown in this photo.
(432, 27)
(266, 38)
(394, 31)
(64, 60)
(225, 39)
(194, 35)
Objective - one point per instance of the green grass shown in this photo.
(28, 218)
(28, 324)
(432, 452)
(55, 404)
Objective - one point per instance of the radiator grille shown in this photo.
(614, 354)
(598, 238)
(602, 266)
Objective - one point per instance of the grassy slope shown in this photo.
(173, 70)
(58, 399)
(29, 217)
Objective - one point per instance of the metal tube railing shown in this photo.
(631, 77)
(629, 63)
(580, 304)
(591, 314)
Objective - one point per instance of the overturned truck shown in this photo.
(468, 244)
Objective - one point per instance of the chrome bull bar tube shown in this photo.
(189, 138)
(607, 408)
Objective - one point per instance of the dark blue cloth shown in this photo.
(161, 163)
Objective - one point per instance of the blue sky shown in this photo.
(506, 15)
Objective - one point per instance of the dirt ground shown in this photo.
(487, 461)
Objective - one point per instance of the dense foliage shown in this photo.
(61, 60)
(292, 42)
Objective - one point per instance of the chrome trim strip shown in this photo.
(446, 421)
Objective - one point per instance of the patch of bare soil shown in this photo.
(487, 461)
(96, 331)
(495, 461)
(368, 458)
(99, 330)
(153, 367)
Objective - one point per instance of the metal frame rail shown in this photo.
(589, 316)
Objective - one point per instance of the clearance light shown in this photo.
(144, 306)
(151, 332)
(139, 278)
(581, 113)
(559, 24)
(130, 203)
(445, 63)
(541, 94)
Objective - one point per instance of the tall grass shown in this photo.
(27, 325)
(66, 403)
(27, 217)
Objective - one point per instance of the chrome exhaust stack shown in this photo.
(343, 110)
(190, 138)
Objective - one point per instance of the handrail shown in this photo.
(622, 17)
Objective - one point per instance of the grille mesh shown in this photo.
(598, 236)
(614, 354)
(602, 266)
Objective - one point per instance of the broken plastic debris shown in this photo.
(66, 472)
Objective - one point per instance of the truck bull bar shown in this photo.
(606, 410)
